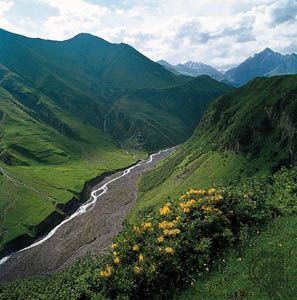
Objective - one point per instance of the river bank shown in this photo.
(89, 230)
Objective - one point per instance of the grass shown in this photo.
(209, 169)
(264, 267)
(22, 208)
(48, 160)
(159, 118)
(246, 132)
(233, 243)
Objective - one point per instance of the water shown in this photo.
(95, 195)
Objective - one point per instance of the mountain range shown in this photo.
(266, 63)
(68, 107)
(67, 110)
(193, 69)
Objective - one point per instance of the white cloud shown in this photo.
(5, 6)
(220, 32)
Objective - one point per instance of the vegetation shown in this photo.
(249, 131)
(234, 192)
(155, 118)
(54, 103)
(184, 243)
(261, 267)
(53, 156)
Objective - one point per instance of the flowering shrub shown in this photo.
(181, 239)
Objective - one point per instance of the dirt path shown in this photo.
(86, 233)
(19, 182)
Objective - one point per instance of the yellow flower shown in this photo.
(137, 270)
(114, 246)
(199, 192)
(187, 204)
(172, 231)
(169, 250)
(160, 239)
(136, 229)
(153, 268)
(211, 191)
(190, 192)
(186, 210)
(114, 253)
(135, 248)
(116, 260)
(165, 210)
(182, 197)
(218, 198)
(107, 272)
(140, 258)
(147, 225)
(208, 209)
(166, 224)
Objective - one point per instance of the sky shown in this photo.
(221, 33)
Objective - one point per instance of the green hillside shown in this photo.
(55, 98)
(249, 131)
(262, 268)
(206, 214)
(49, 150)
(154, 118)
(93, 80)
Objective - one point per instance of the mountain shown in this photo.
(56, 98)
(48, 153)
(264, 64)
(193, 69)
(246, 132)
(160, 118)
(168, 66)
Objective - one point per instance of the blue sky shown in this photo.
(218, 32)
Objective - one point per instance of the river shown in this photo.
(88, 231)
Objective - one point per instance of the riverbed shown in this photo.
(88, 231)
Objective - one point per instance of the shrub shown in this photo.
(170, 247)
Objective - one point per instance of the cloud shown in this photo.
(5, 6)
(220, 33)
(284, 11)
(192, 31)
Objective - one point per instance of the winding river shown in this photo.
(123, 181)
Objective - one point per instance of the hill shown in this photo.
(249, 131)
(160, 118)
(48, 154)
(266, 63)
(55, 97)
(177, 237)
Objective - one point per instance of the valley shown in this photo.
(125, 178)
(88, 231)
(67, 120)
(247, 132)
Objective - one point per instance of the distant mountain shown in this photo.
(264, 64)
(168, 67)
(193, 69)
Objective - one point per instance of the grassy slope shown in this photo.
(162, 117)
(53, 98)
(46, 159)
(250, 131)
(263, 267)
